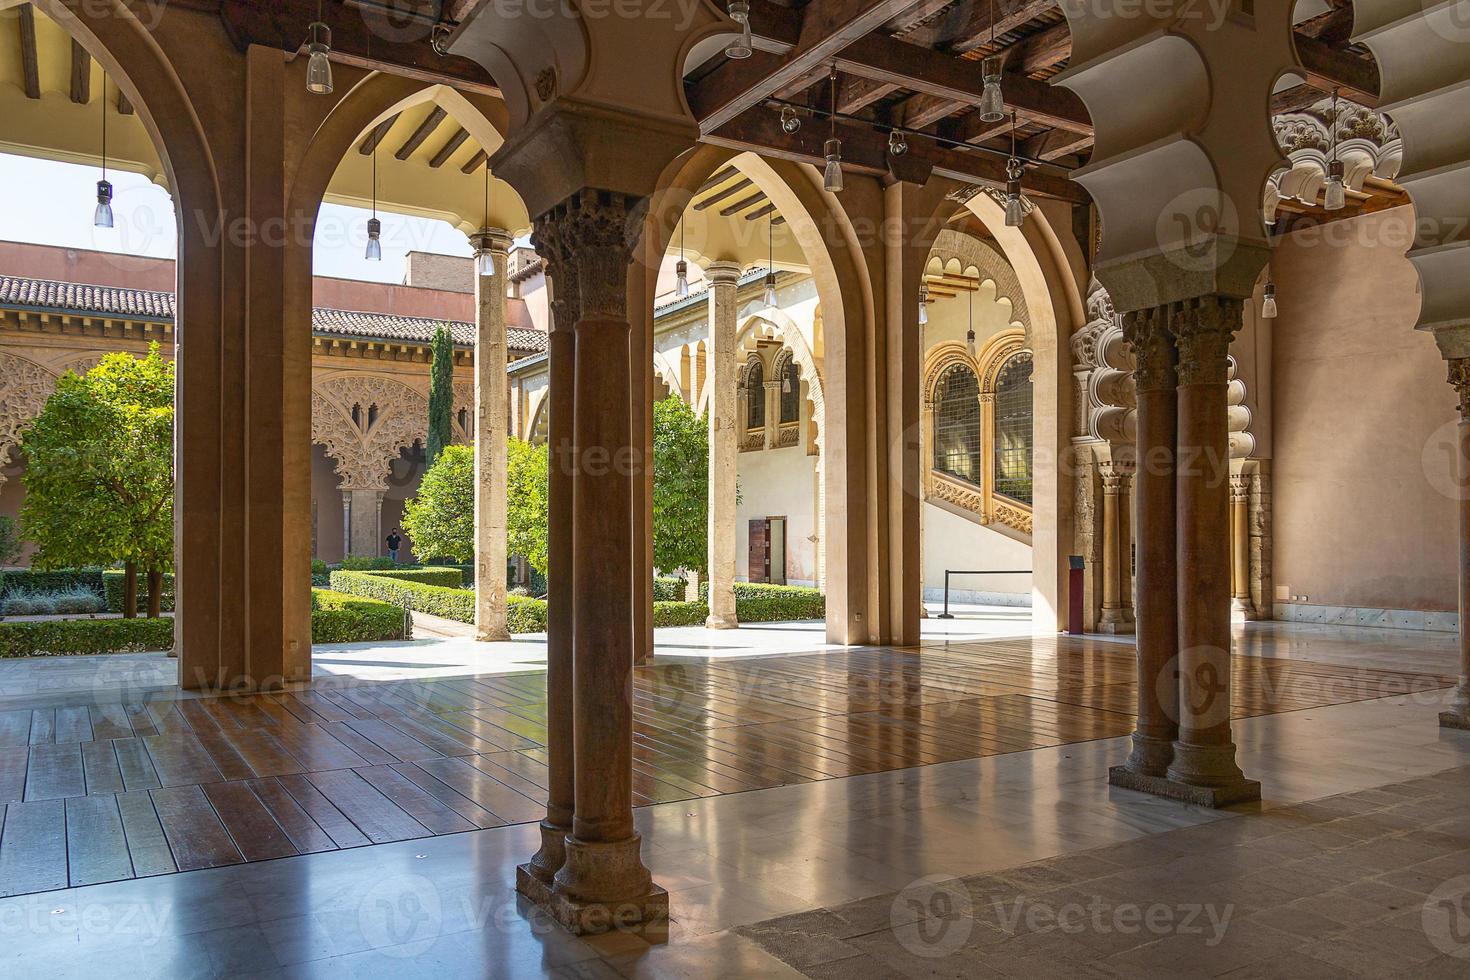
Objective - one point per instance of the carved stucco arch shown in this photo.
(801, 353)
(365, 452)
(464, 401)
(971, 252)
(24, 388)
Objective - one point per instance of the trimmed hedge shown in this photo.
(113, 584)
(758, 602)
(444, 578)
(366, 563)
(668, 589)
(340, 618)
(75, 637)
(679, 614)
(60, 580)
(455, 604)
(525, 615)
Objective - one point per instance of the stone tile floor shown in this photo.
(1373, 883)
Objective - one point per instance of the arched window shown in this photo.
(790, 392)
(1012, 436)
(755, 396)
(957, 424)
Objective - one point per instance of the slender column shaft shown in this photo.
(367, 506)
(1125, 546)
(346, 523)
(561, 480)
(725, 426)
(1240, 555)
(1458, 716)
(1111, 607)
(490, 437)
(1204, 754)
(1154, 485)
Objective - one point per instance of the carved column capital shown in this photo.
(1459, 376)
(561, 272)
(1240, 488)
(590, 238)
(1204, 328)
(495, 240)
(1113, 478)
(1155, 356)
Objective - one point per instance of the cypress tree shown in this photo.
(441, 394)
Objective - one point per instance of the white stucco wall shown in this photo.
(951, 541)
(779, 483)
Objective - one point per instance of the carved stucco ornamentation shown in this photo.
(391, 417)
(1204, 329)
(1013, 517)
(24, 388)
(1459, 377)
(991, 263)
(596, 232)
(1154, 354)
(1367, 143)
(551, 244)
(464, 401)
(942, 487)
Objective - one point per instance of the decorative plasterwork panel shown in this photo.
(24, 388)
(969, 251)
(464, 402)
(1368, 144)
(388, 417)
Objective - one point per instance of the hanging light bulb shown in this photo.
(741, 46)
(832, 174)
(374, 252)
(970, 333)
(1268, 302)
(790, 121)
(992, 99)
(681, 268)
(923, 303)
(1335, 198)
(486, 258)
(785, 382)
(319, 65)
(1015, 210)
(769, 296)
(102, 217)
(898, 144)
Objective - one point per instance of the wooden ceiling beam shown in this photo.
(1053, 145)
(449, 148)
(475, 162)
(746, 202)
(1327, 68)
(426, 128)
(371, 141)
(81, 74)
(29, 64)
(718, 178)
(856, 94)
(714, 199)
(920, 111)
(972, 26)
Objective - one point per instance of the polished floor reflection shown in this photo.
(108, 791)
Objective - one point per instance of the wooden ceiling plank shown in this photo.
(371, 141)
(475, 162)
(425, 130)
(745, 202)
(724, 174)
(730, 191)
(856, 94)
(974, 31)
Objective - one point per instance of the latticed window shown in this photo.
(790, 392)
(755, 397)
(957, 424)
(1012, 437)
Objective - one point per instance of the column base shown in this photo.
(1118, 628)
(492, 636)
(714, 622)
(1215, 797)
(599, 888)
(1241, 611)
(1150, 757)
(1455, 719)
(1211, 773)
(547, 861)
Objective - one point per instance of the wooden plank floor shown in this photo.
(101, 792)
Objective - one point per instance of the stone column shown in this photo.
(603, 879)
(1204, 765)
(367, 508)
(1458, 716)
(1112, 606)
(1147, 332)
(773, 413)
(1240, 553)
(534, 879)
(725, 427)
(1125, 548)
(490, 436)
(346, 523)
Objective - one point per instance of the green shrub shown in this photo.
(75, 637)
(757, 602)
(679, 614)
(31, 580)
(340, 618)
(525, 615)
(72, 601)
(444, 578)
(455, 604)
(668, 589)
(114, 582)
(367, 563)
(318, 567)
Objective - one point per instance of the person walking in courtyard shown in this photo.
(395, 538)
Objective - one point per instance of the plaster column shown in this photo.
(1240, 555)
(773, 413)
(367, 509)
(346, 523)
(490, 436)
(1458, 716)
(725, 426)
(1112, 607)
(603, 875)
(1204, 753)
(535, 878)
(1147, 332)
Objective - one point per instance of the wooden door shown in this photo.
(760, 550)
